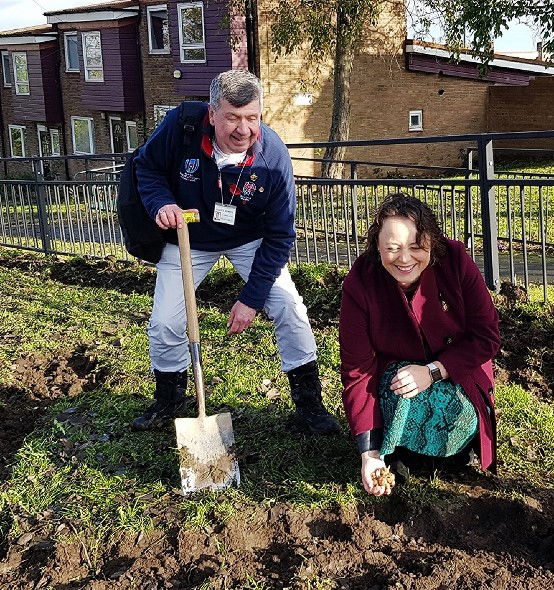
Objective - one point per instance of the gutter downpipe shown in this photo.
(252, 42)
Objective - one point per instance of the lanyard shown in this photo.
(220, 184)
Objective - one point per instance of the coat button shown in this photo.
(448, 340)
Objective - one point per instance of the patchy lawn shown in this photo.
(87, 503)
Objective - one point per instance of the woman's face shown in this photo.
(400, 254)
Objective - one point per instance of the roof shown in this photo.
(466, 55)
(528, 55)
(96, 7)
(28, 36)
(35, 30)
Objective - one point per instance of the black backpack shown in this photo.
(142, 237)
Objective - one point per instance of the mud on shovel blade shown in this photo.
(206, 444)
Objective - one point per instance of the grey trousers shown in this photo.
(168, 340)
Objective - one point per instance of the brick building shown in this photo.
(97, 79)
(525, 108)
(114, 70)
(30, 101)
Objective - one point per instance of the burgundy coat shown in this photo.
(453, 309)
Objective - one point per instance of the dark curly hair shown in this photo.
(402, 205)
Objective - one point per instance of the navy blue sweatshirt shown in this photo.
(261, 187)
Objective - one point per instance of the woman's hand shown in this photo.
(370, 464)
(411, 380)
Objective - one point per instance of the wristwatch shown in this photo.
(435, 372)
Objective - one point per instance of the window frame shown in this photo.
(21, 129)
(157, 108)
(53, 131)
(14, 68)
(66, 52)
(416, 127)
(128, 125)
(182, 47)
(86, 67)
(6, 70)
(90, 122)
(149, 10)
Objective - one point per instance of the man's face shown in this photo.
(236, 128)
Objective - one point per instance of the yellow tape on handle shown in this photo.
(191, 217)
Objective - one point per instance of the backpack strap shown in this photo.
(189, 122)
(191, 115)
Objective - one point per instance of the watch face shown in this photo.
(436, 374)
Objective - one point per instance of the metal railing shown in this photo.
(61, 168)
(506, 220)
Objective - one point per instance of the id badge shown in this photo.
(225, 213)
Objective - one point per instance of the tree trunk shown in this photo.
(340, 121)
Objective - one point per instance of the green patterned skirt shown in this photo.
(439, 422)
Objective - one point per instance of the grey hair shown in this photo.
(238, 87)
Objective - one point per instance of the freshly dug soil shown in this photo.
(484, 543)
(43, 380)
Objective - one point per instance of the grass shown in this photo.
(83, 467)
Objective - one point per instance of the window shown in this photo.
(158, 29)
(55, 141)
(6, 69)
(92, 57)
(83, 141)
(415, 121)
(71, 52)
(17, 141)
(20, 73)
(160, 112)
(132, 136)
(191, 32)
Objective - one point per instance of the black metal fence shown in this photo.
(505, 219)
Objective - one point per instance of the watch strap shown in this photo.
(435, 372)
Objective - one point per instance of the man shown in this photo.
(237, 173)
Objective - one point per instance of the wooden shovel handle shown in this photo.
(188, 283)
(193, 330)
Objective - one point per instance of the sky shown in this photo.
(24, 13)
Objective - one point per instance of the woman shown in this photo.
(418, 331)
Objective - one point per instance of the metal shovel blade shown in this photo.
(207, 457)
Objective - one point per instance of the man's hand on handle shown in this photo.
(171, 216)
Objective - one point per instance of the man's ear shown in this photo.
(211, 115)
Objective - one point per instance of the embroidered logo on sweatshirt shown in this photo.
(248, 191)
(190, 166)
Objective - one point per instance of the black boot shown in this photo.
(305, 388)
(170, 401)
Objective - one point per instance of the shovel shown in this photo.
(206, 444)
